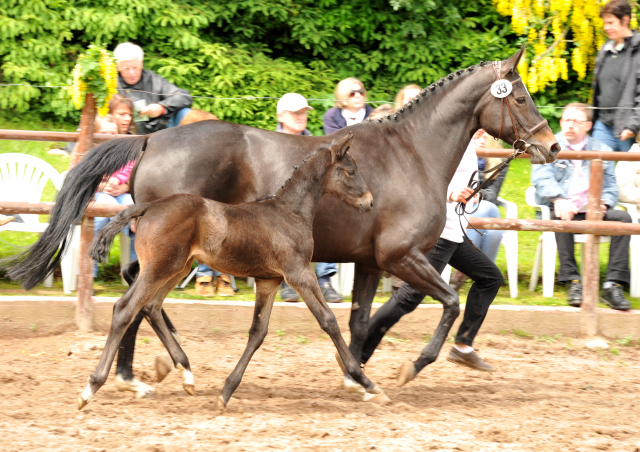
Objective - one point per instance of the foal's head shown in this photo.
(343, 178)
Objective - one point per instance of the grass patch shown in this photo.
(520, 333)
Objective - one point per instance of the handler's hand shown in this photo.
(564, 209)
(626, 134)
(462, 195)
(152, 110)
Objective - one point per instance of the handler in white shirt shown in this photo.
(455, 249)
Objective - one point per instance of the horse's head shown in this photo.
(344, 179)
(515, 118)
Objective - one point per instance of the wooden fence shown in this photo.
(593, 225)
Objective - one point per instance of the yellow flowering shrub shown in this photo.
(95, 72)
(546, 24)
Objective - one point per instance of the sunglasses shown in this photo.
(356, 91)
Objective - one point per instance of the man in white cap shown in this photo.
(292, 112)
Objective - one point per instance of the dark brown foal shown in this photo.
(270, 240)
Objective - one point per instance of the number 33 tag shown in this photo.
(501, 88)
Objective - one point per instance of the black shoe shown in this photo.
(329, 294)
(470, 359)
(574, 294)
(288, 294)
(614, 297)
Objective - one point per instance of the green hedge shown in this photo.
(248, 47)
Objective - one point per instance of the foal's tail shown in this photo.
(99, 250)
(33, 265)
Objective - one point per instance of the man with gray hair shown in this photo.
(155, 98)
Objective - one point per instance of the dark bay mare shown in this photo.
(270, 240)
(406, 159)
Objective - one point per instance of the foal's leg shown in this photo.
(365, 285)
(266, 290)
(125, 310)
(415, 269)
(306, 284)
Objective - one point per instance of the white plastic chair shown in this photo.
(23, 178)
(510, 242)
(547, 249)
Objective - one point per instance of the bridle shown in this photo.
(520, 146)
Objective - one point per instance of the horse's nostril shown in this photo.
(555, 148)
(371, 203)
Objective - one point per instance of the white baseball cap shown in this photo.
(292, 102)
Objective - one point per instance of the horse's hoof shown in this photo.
(379, 399)
(81, 402)
(341, 364)
(190, 389)
(220, 405)
(407, 373)
(141, 389)
(351, 386)
(164, 366)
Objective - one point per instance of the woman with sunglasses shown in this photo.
(350, 106)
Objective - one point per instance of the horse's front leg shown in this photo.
(304, 282)
(266, 290)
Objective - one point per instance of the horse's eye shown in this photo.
(351, 173)
(520, 100)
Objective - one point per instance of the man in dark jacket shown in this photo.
(159, 104)
(615, 87)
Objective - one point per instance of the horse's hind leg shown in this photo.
(304, 282)
(125, 310)
(266, 290)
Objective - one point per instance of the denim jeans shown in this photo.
(604, 134)
(101, 222)
(324, 270)
(176, 119)
(486, 277)
(205, 270)
(489, 243)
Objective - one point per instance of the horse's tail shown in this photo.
(101, 244)
(33, 265)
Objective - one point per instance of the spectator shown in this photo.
(205, 274)
(628, 179)
(292, 113)
(615, 81)
(349, 108)
(452, 248)
(163, 102)
(115, 190)
(564, 186)
(382, 111)
(406, 94)
(487, 240)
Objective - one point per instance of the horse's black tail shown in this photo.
(101, 244)
(33, 265)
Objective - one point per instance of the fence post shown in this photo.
(591, 258)
(87, 126)
(84, 305)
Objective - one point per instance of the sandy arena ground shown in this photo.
(545, 396)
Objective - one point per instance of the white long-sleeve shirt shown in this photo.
(469, 163)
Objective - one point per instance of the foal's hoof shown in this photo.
(81, 402)
(220, 405)
(407, 373)
(190, 389)
(377, 396)
(164, 366)
(351, 386)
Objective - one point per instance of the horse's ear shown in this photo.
(511, 65)
(343, 146)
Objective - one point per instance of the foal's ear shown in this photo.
(511, 65)
(342, 146)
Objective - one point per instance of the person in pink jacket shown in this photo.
(115, 189)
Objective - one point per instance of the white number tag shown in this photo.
(501, 88)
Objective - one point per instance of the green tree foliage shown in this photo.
(260, 48)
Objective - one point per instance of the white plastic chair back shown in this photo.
(23, 178)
